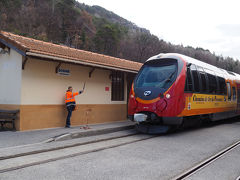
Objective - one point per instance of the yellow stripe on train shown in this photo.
(203, 101)
(206, 104)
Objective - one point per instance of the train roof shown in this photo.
(225, 73)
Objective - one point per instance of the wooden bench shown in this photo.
(8, 116)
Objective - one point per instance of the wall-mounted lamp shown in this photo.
(4, 50)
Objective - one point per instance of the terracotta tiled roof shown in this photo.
(44, 48)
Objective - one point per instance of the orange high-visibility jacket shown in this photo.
(70, 97)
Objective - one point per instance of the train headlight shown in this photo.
(168, 96)
(132, 96)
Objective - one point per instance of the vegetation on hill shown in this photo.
(93, 28)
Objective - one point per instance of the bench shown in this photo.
(8, 116)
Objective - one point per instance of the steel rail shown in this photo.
(63, 147)
(74, 154)
(207, 162)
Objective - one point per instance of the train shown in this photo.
(171, 90)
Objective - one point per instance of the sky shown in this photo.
(209, 24)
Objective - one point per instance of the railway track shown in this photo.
(32, 158)
(207, 162)
(15, 155)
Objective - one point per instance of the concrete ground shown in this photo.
(19, 138)
(161, 157)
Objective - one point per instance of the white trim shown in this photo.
(196, 62)
(78, 62)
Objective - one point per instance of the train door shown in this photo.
(234, 93)
(238, 98)
(234, 97)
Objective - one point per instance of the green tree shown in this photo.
(107, 39)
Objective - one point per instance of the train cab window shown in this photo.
(212, 81)
(203, 80)
(229, 91)
(234, 93)
(195, 78)
(188, 82)
(157, 74)
(222, 86)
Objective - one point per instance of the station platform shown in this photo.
(20, 138)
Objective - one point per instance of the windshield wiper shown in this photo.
(169, 78)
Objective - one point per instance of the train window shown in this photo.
(188, 82)
(222, 86)
(229, 91)
(234, 93)
(213, 87)
(203, 80)
(238, 96)
(195, 78)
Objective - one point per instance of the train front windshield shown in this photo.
(157, 73)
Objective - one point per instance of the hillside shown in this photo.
(100, 12)
(93, 28)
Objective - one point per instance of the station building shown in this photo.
(34, 76)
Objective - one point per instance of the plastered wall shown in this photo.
(43, 93)
(10, 78)
(41, 85)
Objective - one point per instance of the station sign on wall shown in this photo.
(63, 72)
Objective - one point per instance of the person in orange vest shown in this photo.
(70, 103)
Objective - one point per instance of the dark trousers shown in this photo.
(70, 109)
